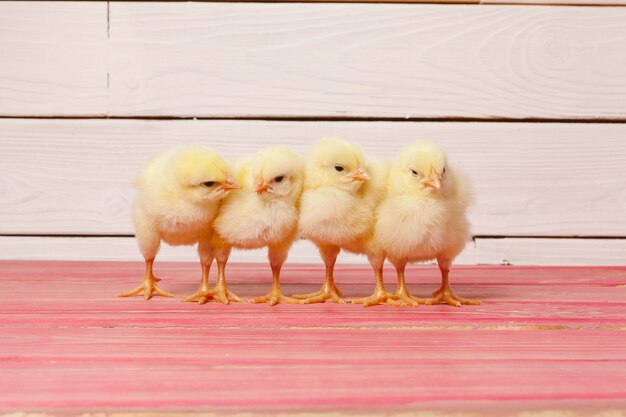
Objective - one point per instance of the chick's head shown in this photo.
(277, 172)
(200, 175)
(421, 168)
(335, 162)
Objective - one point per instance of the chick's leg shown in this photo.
(221, 292)
(445, 295)
(204, 293)
(149, 242)
(149, 286)
(329, 290)
(404, 297)
(276, 257)
(208, 248)
(380, 295)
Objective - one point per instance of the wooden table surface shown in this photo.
(543, 339)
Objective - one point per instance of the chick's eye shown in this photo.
(209, 183)
(280, 178)
(338, 168)
(414, 173)
(444, 170)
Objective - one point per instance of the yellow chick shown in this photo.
(264, 213)
(341, 192)
(179, 192)
(423, 217)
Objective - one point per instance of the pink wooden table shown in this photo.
(544, 339)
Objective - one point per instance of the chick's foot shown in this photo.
(148, 288)
(221, 293)
(201, 296)
(274, 297)
(326, 289)
(377, 298)
(445, 295)
(406, 299)
(327, 293)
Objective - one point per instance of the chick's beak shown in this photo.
(260, 186)
(360, 175)
(434, 181)
(231, 184)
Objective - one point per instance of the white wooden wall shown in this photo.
(529, 99)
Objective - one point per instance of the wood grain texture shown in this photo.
(54, 58)
(313, 60)
(544, 339)
(555, 179)
(374, 60)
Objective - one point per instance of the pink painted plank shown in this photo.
(91, 302)
(190, 386)
(166, 313)
(312, 274)
(68, 345)
(84, 295)
(317, 346)
(64, 292)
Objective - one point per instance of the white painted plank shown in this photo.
(377, 60)
(531, 179)
(125, 249)
(484, 251)
(53, 58)
(577, 252)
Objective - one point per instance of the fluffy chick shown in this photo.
(341, 192)
(264, 213)
(423, 217)
(179, 192)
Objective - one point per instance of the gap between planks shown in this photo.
(580, 3)
(312, 118)
(551, 410)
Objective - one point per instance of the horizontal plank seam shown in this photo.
(512, 3)
(325, 119)
(474, 238)
(577, 237)
(442, 3)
